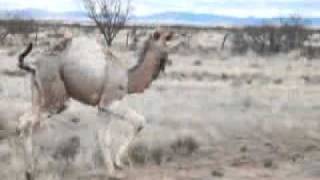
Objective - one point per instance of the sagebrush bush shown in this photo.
(15, 24)
(185, 145)
(157, 155)
(142, 154)
(271, 39)
(138, 153)
(311, 52)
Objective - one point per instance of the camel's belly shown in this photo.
(88, 76)
(84, 81)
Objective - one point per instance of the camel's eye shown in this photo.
(169, 37)
(156, 35)
(121, 87)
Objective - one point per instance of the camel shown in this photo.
(93, 79)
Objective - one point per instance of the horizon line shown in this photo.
(164, 12)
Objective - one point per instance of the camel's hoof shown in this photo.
(119, 165)
(19, 131)
(117, 176)
(29, 176)
(140, 129)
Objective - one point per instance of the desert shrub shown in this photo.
(141, 154)
(13, 73)
(157, 155)
(240, 45)
(110, 16)
(134, 39)
(185, 145)
(311, 52)
(270, 39)
(55, 30)
(15, 24)
(138, 153)
(68, 150)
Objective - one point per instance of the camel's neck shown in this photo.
(141, 76)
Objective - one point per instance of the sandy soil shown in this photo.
(252, 118)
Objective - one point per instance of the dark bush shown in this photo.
(267, 39)
(15, 24)
(311, 52)
(139, 153)
(185, 145)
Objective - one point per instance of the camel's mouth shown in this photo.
(163, 63)
(161, 68)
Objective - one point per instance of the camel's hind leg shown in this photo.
(26, 128)
(30, 122)
(32, 117)
(27, 124)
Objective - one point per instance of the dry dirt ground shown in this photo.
(211, 116)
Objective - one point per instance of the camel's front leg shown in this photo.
(136, 123)
(29, 120)
(123, 150)
(124, 112)
(105, 142)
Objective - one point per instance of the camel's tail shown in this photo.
(23, 56)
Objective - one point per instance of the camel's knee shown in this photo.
(28, 121)
(129, 115)
(25, 122)
(140, 127)
(139, 122)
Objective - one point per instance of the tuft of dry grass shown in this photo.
(13, 73)
(12, 52)
(185, 145)
(68, 149)
(197, 63)
(310, 52)
(138, 153)
(157, 155)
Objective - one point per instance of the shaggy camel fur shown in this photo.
(78, 72)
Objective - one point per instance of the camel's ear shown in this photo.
(156, 35)
(169, 36)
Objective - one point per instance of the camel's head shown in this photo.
(152, 60)
(160, 38)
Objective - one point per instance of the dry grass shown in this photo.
(223, 101)
(185, 145)
(14, 73)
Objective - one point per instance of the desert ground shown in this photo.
(211, 115)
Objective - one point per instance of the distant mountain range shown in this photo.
(184, 18)
(47, 15)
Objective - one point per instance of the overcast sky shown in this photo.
(240, 8)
